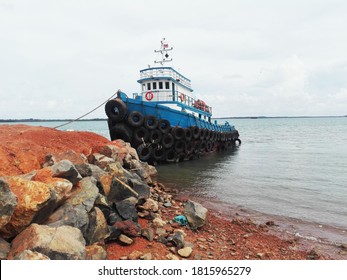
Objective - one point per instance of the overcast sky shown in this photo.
(60, 59)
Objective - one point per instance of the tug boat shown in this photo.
(163, 122)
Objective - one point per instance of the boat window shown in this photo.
(143, 87)
(154, 85)
(149, 86)
(160, 85)
(167, 85)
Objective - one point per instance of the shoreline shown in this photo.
(233, 234)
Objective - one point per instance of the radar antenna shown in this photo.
(164, 52)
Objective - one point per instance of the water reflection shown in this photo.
(196, 173)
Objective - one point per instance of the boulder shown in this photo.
(85, 194)
(8, 202)
(115, 169)
(100, 160)
(84, 169)
(65, 169)
(4, 249)
(61, 243)
(196, 214)
(141, 188)
(120, 191)
(36, 201)
(110, 151)
(126, 209)
(70, 215)
(97, 230)
(31, 255)
(95, 252)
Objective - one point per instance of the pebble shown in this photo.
(134, 255)
(146, 257)
(172, 257)
(125, 239)
(185, 252)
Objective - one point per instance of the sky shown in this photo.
(61, 59)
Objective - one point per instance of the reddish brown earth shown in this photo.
(23, 148)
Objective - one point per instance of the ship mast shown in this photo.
(164, 52)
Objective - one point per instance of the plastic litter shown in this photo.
(182, 220)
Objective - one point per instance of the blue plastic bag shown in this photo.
(182, 220)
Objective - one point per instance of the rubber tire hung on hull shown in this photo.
(155, 140)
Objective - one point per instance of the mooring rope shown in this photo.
(86, 113)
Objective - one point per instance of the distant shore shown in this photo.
(221, 118)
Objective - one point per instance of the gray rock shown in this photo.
(126, 209)
(86, 194)
(196, 214)
(177, 239)
(114, 234)
(97, 230)
(30, 255)
(4, 249)
(97, 172)
(70, 215)
(141, 188)
(65, 169)
(84, 169)
(101, 160)
(62, 243)
(120, 191)
(8, 202)
(148, 233)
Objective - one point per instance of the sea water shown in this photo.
(288, 167)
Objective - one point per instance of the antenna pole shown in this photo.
(164, 49)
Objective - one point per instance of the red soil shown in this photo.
(23, 147)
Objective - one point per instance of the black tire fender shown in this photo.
(150, 122)
(144, 152)
(135, 119)
(116, 110)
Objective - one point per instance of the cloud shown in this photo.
(245, 58)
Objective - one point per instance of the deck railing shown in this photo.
(165, 72)
(167, 96)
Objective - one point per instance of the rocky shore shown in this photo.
(77, 195)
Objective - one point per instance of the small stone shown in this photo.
(160, 231)
(125, 239)
(135, 255)
(147, 257)
(148, 233)
(260, 255)
(172, 257)
(158, 222)
(201, 239)
(167, 204)
(185, 252)
(344, 246)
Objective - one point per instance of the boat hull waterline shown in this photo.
(161, 134)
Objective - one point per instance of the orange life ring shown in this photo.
(182, 97)
(149, 95)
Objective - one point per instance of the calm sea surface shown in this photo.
(289, 167)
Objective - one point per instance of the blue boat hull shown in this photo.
(163, 134)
